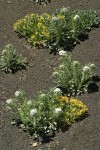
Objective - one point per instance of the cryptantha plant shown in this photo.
(11, 61)
(71, 75)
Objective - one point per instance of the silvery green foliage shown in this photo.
(72, 76)
(10, 61)
(39, 115)
(65, 32)
(85, 20)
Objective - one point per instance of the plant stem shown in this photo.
(69, 107)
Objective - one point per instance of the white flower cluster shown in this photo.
(72, 31)
(54, 18)
(86, 68)
(17, 93)
(57, 91)
(33, 112)
(9, 101)
(61, 66)
(76, 17)
(29, 102)
(4, 51)
(42, 95)
(92, 65)
(75, 63)
(64, 10)
(58, 110)
(62, 53)
(55, 73)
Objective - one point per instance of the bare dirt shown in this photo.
(82, 135)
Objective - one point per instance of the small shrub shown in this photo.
(48, 112)
(72, 76)
(10, 61)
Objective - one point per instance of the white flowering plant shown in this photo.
(40, 115)
(11, 61)
(72, 76)
(60, 29)
(67, 25)
(83, 21)
(46, 113)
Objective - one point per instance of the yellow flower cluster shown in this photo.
(74, 108)
(59, 16)
(18, 23)
(34, 27)
(47, 16)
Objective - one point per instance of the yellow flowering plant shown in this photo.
(34, 28)
(72, 109)
(62, 28)
(46, 113)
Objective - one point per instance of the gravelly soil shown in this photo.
(85, 134)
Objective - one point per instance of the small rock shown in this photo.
(64, 149)
(9, 2)
(80, 4)
(34, 144)
(13, 122)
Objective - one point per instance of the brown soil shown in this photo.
(82, 135)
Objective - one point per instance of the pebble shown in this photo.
(9, 2)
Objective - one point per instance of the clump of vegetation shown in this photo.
(72, 76)
(35, 28)
(73, 109)
(66, 26)
(11, 61)
(47, 113)
(61, 29)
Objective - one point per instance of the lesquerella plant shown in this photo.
(34, 28)
(71, 75)
(72, 109)
(10, 60)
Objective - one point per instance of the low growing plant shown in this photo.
(60, 29)
(67, 25)
(46, 113)
(72, 76)
(39, 115)
(11, 61)
(73, 109)
(34, 28)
